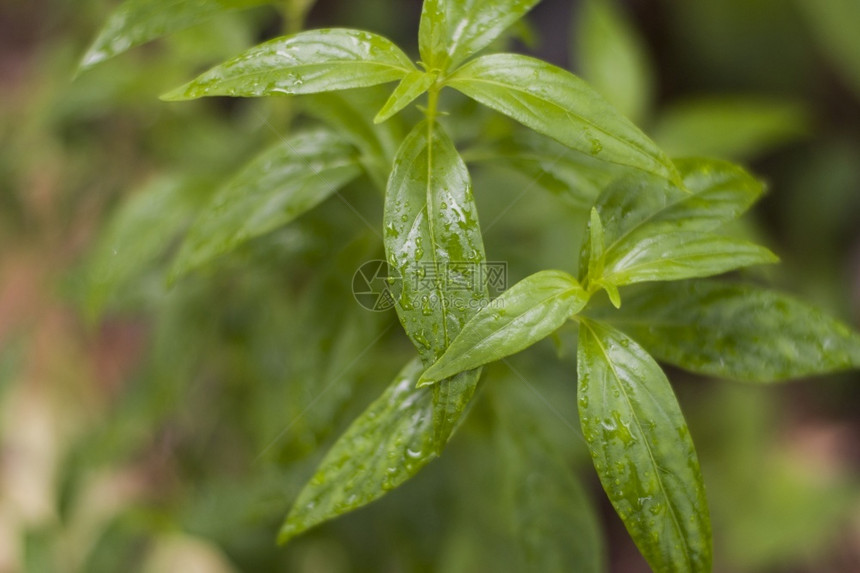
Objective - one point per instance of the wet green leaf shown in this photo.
(613, 58)
(731, 128)
(656, 231)
(556, 103)
(138, 21)
(287, 180)
(383, 448)
(575, 178)
(453, 30)
(737, 331)
(642, 450)
(526, 313)
(308, 62)
(410, 87)
(433, 241)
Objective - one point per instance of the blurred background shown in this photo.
(153, 428)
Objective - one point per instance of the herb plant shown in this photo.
(656, 228)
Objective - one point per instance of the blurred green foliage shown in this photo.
(156, 428)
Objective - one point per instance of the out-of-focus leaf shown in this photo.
(383, 448)
(554, 524)
(453, 30)
(642, 450)
(139, 233)
(349, 113)
(433, 240)
(737, 331)
(556, 103)
(284, 182)
(834, 23)
(575, 178)
(612, 58)
(308, 62)
(731, 128)
(410, 87)
(138, 21)
(528, 312)
(656, 231)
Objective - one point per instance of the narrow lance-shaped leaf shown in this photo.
(526, 313)
(307, 62)
(284, 182)
(655, 230)
(453, 30)
(410, 87)
(383, 448)
(138, 21)
(737, 331)
(554, 102)
(642, 450)
(433, 241)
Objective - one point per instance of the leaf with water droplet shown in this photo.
(307, 62)
(736, 331)
(273, 189)
(384, 447)
(655, 230)
(643, 453)
(438, 254)
(453, 30)
(531, 310)
(555, 103)
(136, 22)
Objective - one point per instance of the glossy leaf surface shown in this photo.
(412, 86)
(526, 313)
(433, 241)
(612, 57)
(284, 182)
(737, 331)
(642, 450)
(654, 230)
(556, 103)
(453, 30)
(383, 447)
(138, 21)
(308, 62)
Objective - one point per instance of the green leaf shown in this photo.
(526, 313)
(138, 21)
(642, 450)
(731, 128)
(453, 30)
(553, 524)
(556, 103)
(290, 178)
(613, 58)
(654, 230)
(383, 448)
(348, 113)
(433, 241)
(410, 87)
(737, 331)
(137, 236)
(307, 62)
(680, 256)
(575, 178)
